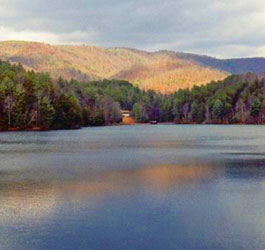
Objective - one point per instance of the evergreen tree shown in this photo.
(255, 107)
(218, 110)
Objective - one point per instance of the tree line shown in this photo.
(30, 100)
(237, 99)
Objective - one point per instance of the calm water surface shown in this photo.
(133, 187)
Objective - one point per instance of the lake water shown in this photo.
(143, 187)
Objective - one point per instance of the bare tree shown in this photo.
(9, 106)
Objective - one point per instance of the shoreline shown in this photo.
(136, 124)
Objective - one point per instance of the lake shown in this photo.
(143, 187)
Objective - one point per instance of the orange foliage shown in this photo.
(161, 71)
(128, 121)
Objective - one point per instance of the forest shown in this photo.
(30, 100)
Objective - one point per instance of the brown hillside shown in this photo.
(160, 71)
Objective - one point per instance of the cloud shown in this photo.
(9, 34)
(44, 36)
(217, 27)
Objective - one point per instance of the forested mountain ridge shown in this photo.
(30, 100)
(232, 66)
(160, 71)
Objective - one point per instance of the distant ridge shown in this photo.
(233, 66)
(162, 71)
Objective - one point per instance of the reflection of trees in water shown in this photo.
(245, 168)
(26, 200)
(37, 199)
(159, 178)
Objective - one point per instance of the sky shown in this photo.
(220, 28)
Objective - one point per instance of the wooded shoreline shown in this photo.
(135, 124)
(32, 101)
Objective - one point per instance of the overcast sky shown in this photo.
(222, 28)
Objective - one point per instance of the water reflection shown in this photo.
(39, 198)
(30, 199)
(27, 200)
(246, 168)
(140, 187)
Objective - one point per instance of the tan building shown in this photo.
(126, 113)
(127, 119)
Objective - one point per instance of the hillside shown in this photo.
(161, 71)
(33, 101)
(233, 66)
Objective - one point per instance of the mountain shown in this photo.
(162, 71)
(233, 66)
